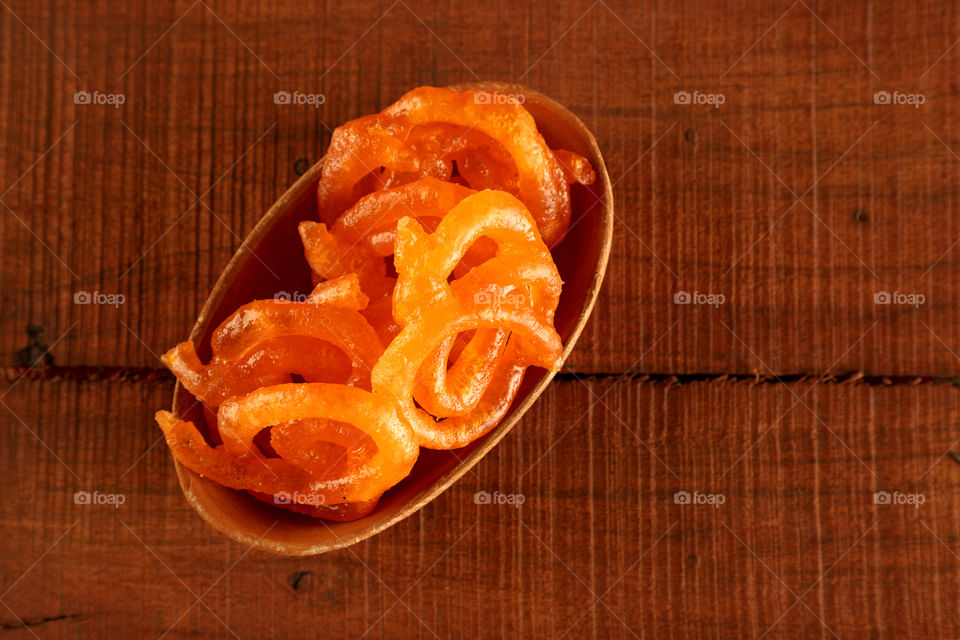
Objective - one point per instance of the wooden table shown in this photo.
(783, 180)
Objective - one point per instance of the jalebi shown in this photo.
(515, 291)
(362, 147)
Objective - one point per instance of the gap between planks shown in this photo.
(162, 375)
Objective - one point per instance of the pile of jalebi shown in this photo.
(434, 291)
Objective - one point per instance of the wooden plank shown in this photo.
(598, 464)
(706, 196)
(798, 199)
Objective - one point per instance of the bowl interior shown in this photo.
(271, 261)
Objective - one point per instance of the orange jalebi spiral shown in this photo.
(255, 351)
(372, 448)
(517, 291)
(361, 147)
(267, 341)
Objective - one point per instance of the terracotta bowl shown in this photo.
(581, 259)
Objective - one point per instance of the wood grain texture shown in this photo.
(798, 199)
(598, 464)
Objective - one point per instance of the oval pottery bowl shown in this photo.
(271, 260)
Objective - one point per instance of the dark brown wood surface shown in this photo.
(798, 200)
